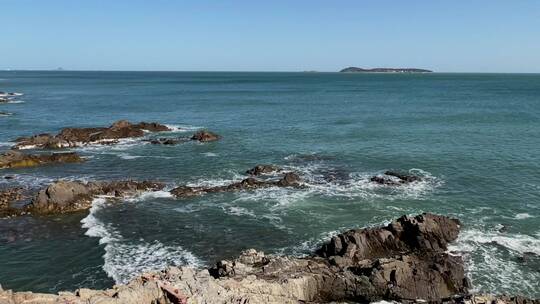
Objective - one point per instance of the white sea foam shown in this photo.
(239, 211)
(210, 154)
(522, 216)
(518, 243)
(147, 195)
(182, 128)
(125, 259)
(492, 264)
(12, 101)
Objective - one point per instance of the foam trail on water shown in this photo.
(497, 261)
(125, 259)
(182, 128)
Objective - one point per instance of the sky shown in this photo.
(445, 36)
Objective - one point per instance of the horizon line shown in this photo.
(255, 71)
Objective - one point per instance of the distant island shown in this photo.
(384, 70)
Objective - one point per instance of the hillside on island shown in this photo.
(384, 70)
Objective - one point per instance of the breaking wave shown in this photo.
(499, 261)
(125, 259)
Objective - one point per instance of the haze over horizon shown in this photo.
(459, 36)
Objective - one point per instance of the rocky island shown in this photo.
(384, 70)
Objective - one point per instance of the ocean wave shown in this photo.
(182, 128)
(125, 259)
(149, 195)
(518, 243)
(210, 154)
(492, 261)
(12, 101)
(5, 114)
(522, 216)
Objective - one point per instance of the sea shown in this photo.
(473, 138)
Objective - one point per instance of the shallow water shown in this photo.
(474, 137)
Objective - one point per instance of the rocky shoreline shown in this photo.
(406, 261)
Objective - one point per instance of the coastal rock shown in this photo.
(75, 137)
(290, 179)
(392, 178)
(69, 196)
(7, 198)
(405, 261)
(205, 136)
(168, 141)
(263, 169)
(17, 159)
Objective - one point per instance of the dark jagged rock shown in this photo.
(17, 159)
(69, 196)
(263, 169)
(288, 180)
(384, 70)
(75, 137)
(392, 178)
(404, 177)
(205, 136)
(168, 141)
(405, 261)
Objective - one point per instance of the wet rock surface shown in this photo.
(7, 198)
(17, 159)
(263, 169)
(75, 137)
(69, 196)
(205, 136)
(289, 179)
(405, 261)
(392, 178)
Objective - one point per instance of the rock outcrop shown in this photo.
(75, 137)
(263, 169)
(69, 196)
(205, 136)
(17, 159)
(405, 261)
(290, 179)
(392, 178)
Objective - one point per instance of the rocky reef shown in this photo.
(17, 159)
(392, 178)
(201, 136)
(76, 137)
(406, 261)
(289, 179)
(205, 136)
(70, 196)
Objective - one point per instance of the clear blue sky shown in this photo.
(453, 36)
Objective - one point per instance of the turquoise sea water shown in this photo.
(474, 137)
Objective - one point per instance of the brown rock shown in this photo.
(205, 136)
(69, 196)
(288, 180)
(16, 159)
(75, 137)
(263, 169)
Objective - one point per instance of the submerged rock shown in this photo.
(288, 180)
(405, 261)
(17, 159)
(263, 169)
(7, 198)
(205, 136)
(392, 178)
(75, 137)
(69, 196)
